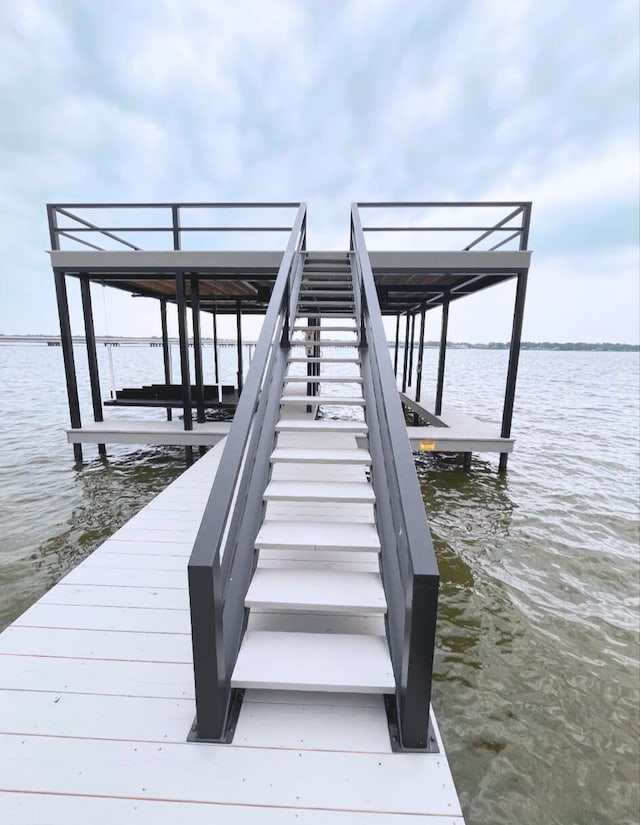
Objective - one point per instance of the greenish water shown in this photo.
(536, 674)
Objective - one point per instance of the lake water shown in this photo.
(536, 673)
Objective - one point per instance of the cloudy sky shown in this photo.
(330, 101)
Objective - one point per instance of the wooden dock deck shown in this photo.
(96, 702)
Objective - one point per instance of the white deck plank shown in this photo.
(100, 617)
(55, 674)
(100, 810)
(116, 596)
(350, 782)
(299, 661)
(308, 589)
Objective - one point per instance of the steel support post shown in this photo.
(184, 361)
(166, 349)
(197, 347)
(92, 356)
(67, 355)
(413, 338)
(406, 354)
(514, 356)
(442, 356)
(216, 367)
(423, 313)
(395, 351)
(239, 336)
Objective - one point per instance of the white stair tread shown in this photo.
(305, 328)
(319, 491)
(320, 425)
(305, 359)
(314, 661)
(356, 537)
(323, 342)
(335, 400)
(323, 379)
(316, 590)
(320, 456)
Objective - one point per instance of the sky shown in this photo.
(331, 101)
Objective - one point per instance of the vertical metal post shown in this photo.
(175, 226)
(67, 354)
(395, 352)
(92, 357)
(216, 367)
(514, 357)
(413, 338)
(423, 313)
(184, 360)
(166, 350)
(239, 335)
(406, 354)
(197, 347)
(442, 355)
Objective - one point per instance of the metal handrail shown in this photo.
(519, 208)
(408, 563)
(223, 556)
(175, 228)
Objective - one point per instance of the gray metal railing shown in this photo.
(408, 564)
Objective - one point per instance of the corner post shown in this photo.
(442, 355)
(92, 357)
(216, 366)
(514, 357)
(67, 354)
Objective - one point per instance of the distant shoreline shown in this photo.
(115, 340)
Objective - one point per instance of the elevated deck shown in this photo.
(97, 701)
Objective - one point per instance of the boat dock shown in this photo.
(259, 639)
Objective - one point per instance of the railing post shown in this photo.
(197, 347)
(239, 337)
(395, 354)
(415, 688)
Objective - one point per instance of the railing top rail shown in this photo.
(182, 205)
(453, 204)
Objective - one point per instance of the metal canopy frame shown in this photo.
(408, 284)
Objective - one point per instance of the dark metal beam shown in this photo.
(67, 354)
(166, 349)
(216, 366)
(184, 360)
(395, 351)
(413, 339)
(423, 313)
(406, 354)
(92, 356)
(197, 348)
(512, 370)
(239, 337)
(442, 356)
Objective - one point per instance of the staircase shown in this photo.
(316, 600)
